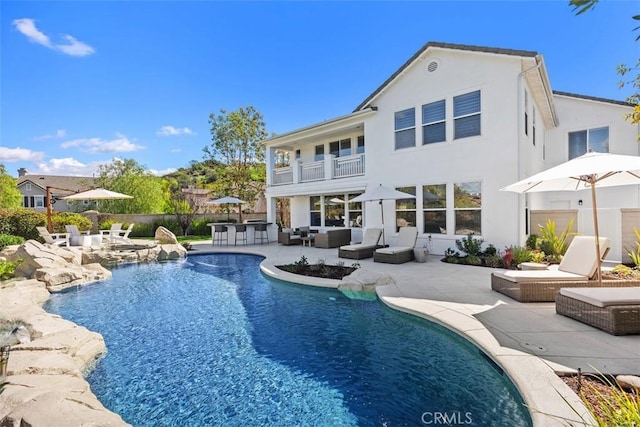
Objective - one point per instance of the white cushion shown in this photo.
(394, 249)
(581, 257)
(518, 276)
(371, 236)
(356, 247)
(407, 236)
(604, 297)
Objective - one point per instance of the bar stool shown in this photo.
(218, 230)
(260, 233)
(242, 229)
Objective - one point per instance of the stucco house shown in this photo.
(452, 126)
(34, 191)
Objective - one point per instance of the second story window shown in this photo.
(360, 147)
(466, 115)
(596, 139)
(405, 128)
(433, 122)
(319, 152)
(340, 148)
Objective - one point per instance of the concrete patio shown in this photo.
(460, 298)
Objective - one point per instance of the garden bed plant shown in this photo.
(320, 269)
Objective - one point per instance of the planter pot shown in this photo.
(421, 254)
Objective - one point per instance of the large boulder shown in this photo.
(33, 255)
(361, 284)
(168, 252)
(164, 236)
(59, 278)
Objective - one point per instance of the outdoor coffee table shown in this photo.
(308, 239)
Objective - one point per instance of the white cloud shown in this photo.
(18, 154)
(172, 131)
(70, 45)
(121, 144)
(162, 172)
(60, 133)
(67, 166)
(176, 150)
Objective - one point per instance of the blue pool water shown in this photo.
(210, 341)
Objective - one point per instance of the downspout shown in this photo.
(519, 139)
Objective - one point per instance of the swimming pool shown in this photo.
(211, 341)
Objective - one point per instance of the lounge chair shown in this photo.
(82, 238)
(365, 249)
(57, 239)
(614, 310)
(116, 227)
(122, 235)
(577, 269)
(402, 251)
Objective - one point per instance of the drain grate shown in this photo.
(537, 348)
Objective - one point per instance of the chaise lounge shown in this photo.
(577, 269)
(365, 249)
(402, 251)
(614, 310)
(56, 239)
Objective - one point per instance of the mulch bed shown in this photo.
(592, 390)
(323, 271)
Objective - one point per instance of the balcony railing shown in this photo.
(331, 167)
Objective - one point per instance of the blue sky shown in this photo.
(84, 82)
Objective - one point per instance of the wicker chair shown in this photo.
(288, 237)
(333, 238)
(402, 251)
(365, 249)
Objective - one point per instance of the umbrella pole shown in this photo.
(239, 213)
(382, 214)
(595, 227)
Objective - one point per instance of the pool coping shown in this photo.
(549, 400)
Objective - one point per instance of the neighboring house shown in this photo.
(34, 191)
(452, 126)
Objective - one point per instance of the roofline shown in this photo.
(542, 72)
(321, 124)
(593, 98)
(453, 46)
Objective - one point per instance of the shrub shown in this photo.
(507, 258)
(199, 226)
(552, 244)
(143, 230)
(491, 251)
(537, 256)
(170, 224)
(21, 222)
(60, 219)
(635, 254)
(495, 261)
(520, 254)
(106, 224)
(8, 239)
(470, 245)
(532, 242)
(7, 269)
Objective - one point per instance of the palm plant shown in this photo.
(552, 244)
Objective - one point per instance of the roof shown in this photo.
(471, 48)
(593, 98)
(71, 183)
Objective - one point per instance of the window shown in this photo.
(466, 115)
(33, 201)
(27, 186)
(433, 122)
(526, 113)
(434, 205)
(405, 126)
(406, 209)
(334, 210)
(297, 154)
(467, 204)
(319, 152)
(533, 125)
(340, 148)
(360, 148)
(355, 212)
(314, 208)
(588, 140)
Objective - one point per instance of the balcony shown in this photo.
(331, 167)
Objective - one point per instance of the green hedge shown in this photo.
(21, 222)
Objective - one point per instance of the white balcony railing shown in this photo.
(311, 171)
(331, 167)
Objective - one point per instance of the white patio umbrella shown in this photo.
(381, 193)
(229, 200)
(584, 173)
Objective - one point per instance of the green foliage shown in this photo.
(520, 254)
(8, 239)
(150, 193)
(21, 222)
(470, 245)
(7, 269)
(537, 256)
(635, 254)
(532, 241)
(624, 272)
(551, 243)
(199, 226)
(612, 408)
(60, 219)
(170, 224)
(144, 230)
(491, 250)
(237, 143)
(494, 261)
(10, 196)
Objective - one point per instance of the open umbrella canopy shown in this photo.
(227, 200)
(584, 173)
(97, 194)
(380, 193)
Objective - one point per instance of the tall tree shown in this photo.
(236, 142)
(582, 6)
(10, 196)
(150, 192)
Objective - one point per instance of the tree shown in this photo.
(582, 6)
(150, 192)
(10, 196)
(236, 142)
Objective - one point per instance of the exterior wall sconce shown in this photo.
(580, 202)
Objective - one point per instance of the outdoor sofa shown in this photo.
(402, 251)
(578, 268)
(289, 236)
(614, 310)
(365, 249)
(333, 238)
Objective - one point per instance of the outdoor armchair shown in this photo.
(333, 238)
(116, 227)
(57, 239)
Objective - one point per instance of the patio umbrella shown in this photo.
(379, 194)
(93, 194)
(584, 173)
(229, 200)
